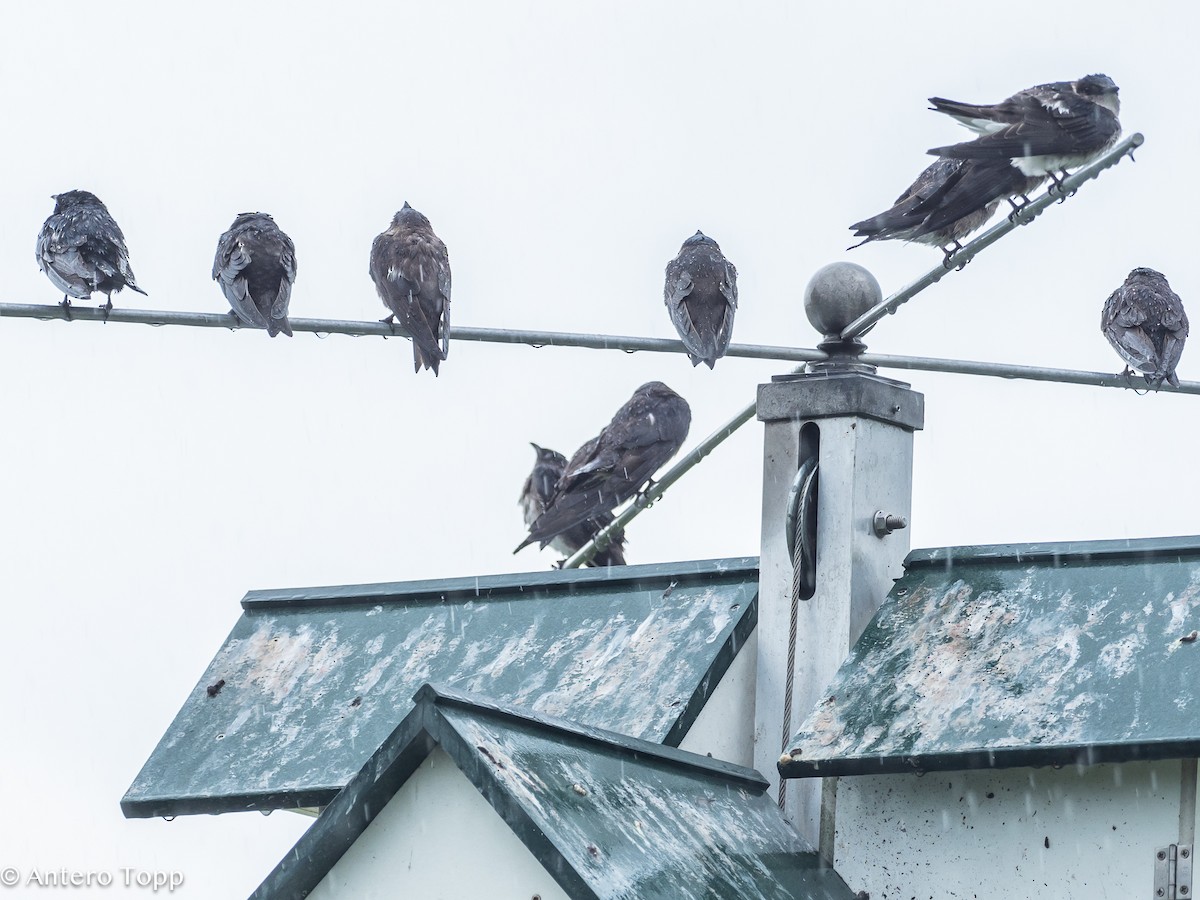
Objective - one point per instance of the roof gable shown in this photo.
(1033, 654)
(609, 816)
(312, 681)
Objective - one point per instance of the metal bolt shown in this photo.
(1160, 893)
(1183, 889)
(1184, 852)
(1162, 854)
(885, 523)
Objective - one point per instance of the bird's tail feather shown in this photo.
(277, 326)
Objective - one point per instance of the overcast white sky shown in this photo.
(562, 151)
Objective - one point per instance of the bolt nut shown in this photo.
(884, 524)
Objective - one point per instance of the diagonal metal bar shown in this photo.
(1027, 214)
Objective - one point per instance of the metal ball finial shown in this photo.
(837, 294)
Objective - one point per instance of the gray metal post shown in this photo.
(855, 430)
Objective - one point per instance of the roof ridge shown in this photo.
(1057, 550)
(444, 695)
(426, 590)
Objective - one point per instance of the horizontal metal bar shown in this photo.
(1026, 373)
(628, 343)
(123, 316)
(600, 342)
(1027, 214)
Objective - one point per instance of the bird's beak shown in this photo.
(536, 448)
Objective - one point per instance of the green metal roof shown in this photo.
(1034, 654)
(312, 681)
(607, 815)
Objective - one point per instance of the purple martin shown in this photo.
(701, 295)
(1044, 129)
(1144, 321)
(613, 466)
(81, 250)
(535, 495)
(411, 271)
(948, 201)
(256, 266)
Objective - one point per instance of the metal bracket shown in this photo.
(1173, 872)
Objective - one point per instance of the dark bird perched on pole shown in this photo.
(536, 493)
(411, 271)
(256, 266)
(613, 466)
(948, 201)
(1144, 321)
(701, 295)
(81, 249)
(1044, 129)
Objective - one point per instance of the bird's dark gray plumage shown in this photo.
(1144, 321)
(609, 469)
(82, 250)
(535, 495)
(701, 296)
(1044, 129)
(255, 266)
(411, 271)
(948, 201)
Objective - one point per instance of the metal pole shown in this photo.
(1024, 216)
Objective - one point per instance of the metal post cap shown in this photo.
(837, 294)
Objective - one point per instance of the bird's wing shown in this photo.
(1068, 125)
(1134, 346)
(1171, 352)
(287, 259)
(630, 449)
(283, 298)
(980, 184)
(59, 256)
(677, 288)
(231, 259)
(914, 205)
(443, 280)
(987, 118)
(729, 287)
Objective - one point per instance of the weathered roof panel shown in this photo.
(312, 681)
(608, 816)
(1036, 654)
